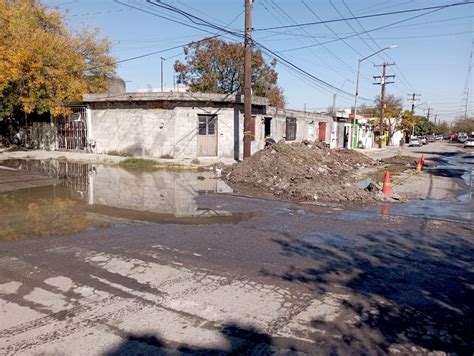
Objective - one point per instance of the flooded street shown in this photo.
(85, 196)
(98, 260)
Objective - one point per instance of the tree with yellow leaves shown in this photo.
(43, 65)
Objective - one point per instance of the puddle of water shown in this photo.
(94, 195)
(435, 209)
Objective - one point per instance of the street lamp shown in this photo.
(354, 144)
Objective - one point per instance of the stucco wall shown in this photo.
(155, 129)
(154, 132)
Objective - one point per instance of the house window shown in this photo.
(207, 124)
(290, 128)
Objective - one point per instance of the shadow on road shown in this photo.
(405, 288)
(240, 340)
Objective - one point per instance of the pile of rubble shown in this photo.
(302, 172)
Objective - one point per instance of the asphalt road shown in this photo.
(278, 278)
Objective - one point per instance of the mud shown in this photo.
(302, 172)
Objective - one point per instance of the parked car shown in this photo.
(415, 141)
(462, 138)
(469, 143)
(423, 140)
(431, 138)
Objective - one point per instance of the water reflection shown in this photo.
(90, 195)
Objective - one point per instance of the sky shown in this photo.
(433, 53)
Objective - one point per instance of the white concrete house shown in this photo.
(191, 125)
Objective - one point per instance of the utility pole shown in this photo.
(334, 96)
(162, 60)
(248, 79)
(428, 114)
(413, 101)
(382, 83)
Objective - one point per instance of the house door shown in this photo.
(322, 131)
(207, 135)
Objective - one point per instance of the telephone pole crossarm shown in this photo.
(354, 120)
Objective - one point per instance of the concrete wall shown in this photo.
(144, 130)
(307, 124)
(155, 129)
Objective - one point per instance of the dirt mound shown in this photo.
(302, 172)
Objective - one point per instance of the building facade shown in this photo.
(191, 125)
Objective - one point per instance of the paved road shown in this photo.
(283, 279)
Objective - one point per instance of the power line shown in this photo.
(151, 53)
(328, 27)
(163, 17)
(316, 54)
(391, 27)
(315, 40)
(440, 7)
(193, 18)
(202, 22)
(319, 80)
(371, 30)
(404, 80)
(378, 7)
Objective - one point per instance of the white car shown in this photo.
(469, 143)
(415, 141)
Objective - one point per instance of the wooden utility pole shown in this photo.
(382, 83)
(428, 114)
(248, 79)
(413, 101)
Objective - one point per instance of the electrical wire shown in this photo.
(416, 25)
(197, 20)
(150, 53)
(367, 31)
(440, 7)
(403, 79)
(340, 60)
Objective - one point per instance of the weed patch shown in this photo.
(120, 154)
(149, 165)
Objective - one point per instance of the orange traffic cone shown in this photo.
(422, 160)
(386, 184)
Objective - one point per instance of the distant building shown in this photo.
(343, 131)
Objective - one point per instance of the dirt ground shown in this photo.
(431, 183)
(307, 172)
(302, 172)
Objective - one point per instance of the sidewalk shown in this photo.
(431, 150)
(384, 152)
(102, 158)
